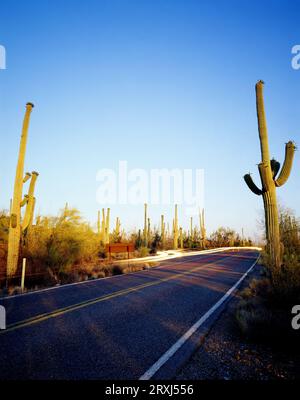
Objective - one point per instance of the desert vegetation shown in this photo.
(65, 248)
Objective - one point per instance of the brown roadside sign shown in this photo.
(120, 248)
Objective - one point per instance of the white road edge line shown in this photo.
(180, 342)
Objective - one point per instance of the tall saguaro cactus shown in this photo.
(14, 235)
(268, 170)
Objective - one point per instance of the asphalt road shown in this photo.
(114, 328)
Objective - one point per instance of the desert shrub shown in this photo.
(155, 244)
(143, 251)
(226, 237)
(58, 243)
(137, 239)
(117, 270)
(261, 320)
(4, 226)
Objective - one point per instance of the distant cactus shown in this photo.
(175, 229)
(149, 232)
(103, 227)
(107, 226)
(145, 231)
(268, 170)
(191, 229)
(202, 228)
(99, 224)
(116, 235)
(243, 237)
(163, 231)
(181, 238)
(66, 208)
(15, 222)
(118, 226)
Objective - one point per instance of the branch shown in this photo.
(275, 166)
(251, 185)
(287, 165)
(24, 201)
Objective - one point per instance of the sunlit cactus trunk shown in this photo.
(268, 170)
(243, 237)
(191, 236)
(145, 231)
(103, 226)
(118, 226)
(15, 217)
(202, 228)
(163, 231)
(149, 232)
(175, 229)
(107, 226)
(181, 238)
(99, 224)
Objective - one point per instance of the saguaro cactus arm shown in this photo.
(287, 165)
(30, 204)
(24, 201)
(275, 167)
(251, 185)
(26, 177)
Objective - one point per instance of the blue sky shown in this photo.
(157, 83)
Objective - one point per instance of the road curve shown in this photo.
(115, 328)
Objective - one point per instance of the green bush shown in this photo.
(58, 243)
(143, 251)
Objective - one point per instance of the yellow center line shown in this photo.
(61, 311)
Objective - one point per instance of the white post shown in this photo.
(23, 275)
(2, 318)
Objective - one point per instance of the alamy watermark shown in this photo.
(296, 58)
(296, 319)
(163, 186)
(2, 57)
(2, 318)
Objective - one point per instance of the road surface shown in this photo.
(120, 327)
